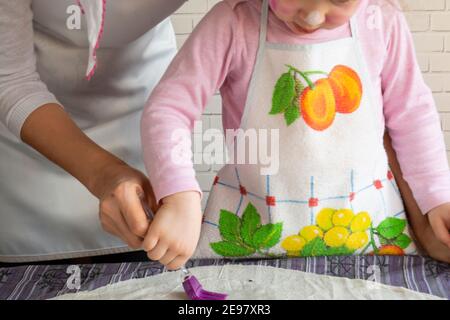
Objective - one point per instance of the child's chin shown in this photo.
(299, 30)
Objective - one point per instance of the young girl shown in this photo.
(330, 76)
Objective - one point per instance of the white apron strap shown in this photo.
(263, 22)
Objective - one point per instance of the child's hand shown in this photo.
(175, 230)
(439, 218)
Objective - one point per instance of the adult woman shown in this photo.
(88, 129)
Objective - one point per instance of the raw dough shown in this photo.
(251, 282)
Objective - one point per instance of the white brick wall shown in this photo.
(429, 21)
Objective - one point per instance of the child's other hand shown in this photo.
(175, 230)
(439, 218)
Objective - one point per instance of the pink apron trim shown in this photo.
(91, 71)
(81, 6)
(99, 37)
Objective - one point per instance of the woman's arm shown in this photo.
(119, 187)
(34, 115)
(423, 234)
(51, 131)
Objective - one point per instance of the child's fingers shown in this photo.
(168, 257)
(177, 262)
(150, 242)
(158, 252)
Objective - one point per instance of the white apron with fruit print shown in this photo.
(334, 193)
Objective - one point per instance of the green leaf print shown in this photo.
(391, 228)
(315, 247)
(244, 237)
(292, 113)
(230, 249)
(268, 235)
(229, 226)
(338, 251)
(251, 221)
(283, 93)
(403, 241)
(384, 241)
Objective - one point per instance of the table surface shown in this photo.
(47, 281)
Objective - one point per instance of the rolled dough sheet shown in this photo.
(251, 282)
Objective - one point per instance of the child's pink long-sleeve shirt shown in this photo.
(221, 53)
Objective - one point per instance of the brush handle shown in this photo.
(186, 272)
(148, 211)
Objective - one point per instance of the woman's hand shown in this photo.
(121, 189)
(439, 218)
(175, 230)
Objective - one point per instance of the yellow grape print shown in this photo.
(342, 232)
